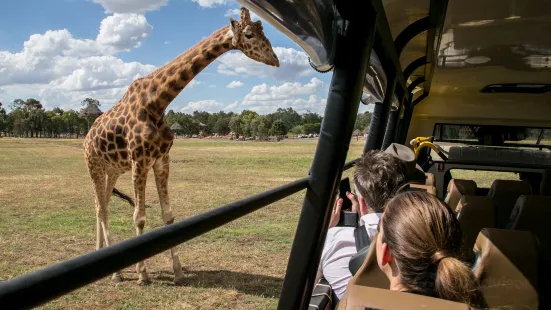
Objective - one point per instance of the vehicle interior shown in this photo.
(467, 85)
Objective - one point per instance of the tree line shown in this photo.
(28, 118)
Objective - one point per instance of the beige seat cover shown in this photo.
(458, 188)
(507, 268)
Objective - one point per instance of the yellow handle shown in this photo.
(422, 142)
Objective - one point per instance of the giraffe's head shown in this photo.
(248, 37)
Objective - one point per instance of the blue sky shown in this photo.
(62, 51)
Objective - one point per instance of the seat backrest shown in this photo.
(474, 214)
(359, 297)
(545, 185)
(430, 180)
(505, 193)
(507, 268)
(369, 274)
(533, 213)
(458, 188)
(429, 189)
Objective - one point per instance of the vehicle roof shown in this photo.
(481, 43)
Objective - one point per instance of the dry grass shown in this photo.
(46, 200)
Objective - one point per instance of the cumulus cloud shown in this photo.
(203, 105)
(293, 64)
(131, 6)
(234, 84)
(210, 3)
(122, 32)
(301, 97)
(56, 61)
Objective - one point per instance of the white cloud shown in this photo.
(301, 97)
(236, 13)
(131, 6)
(167, 42)
(122, 32)
(203, 105)
(234, 84)
(193, 83)
(212, 85)
(210, 3)
(293, 64)
(57, 62)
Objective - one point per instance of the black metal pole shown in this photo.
(38, 287)
(352, 56)
(391, 128)
(377, 127)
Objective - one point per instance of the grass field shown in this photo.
(47, 206)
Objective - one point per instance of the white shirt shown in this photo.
(339, 247)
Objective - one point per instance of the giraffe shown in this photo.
(132, 135)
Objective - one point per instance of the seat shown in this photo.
(458, 188)
(504, 194)
(429, 189)
(532, 213)
(359, 297)
(430, 181)
(507, 268)
(545, 185)
(474, 213)
(369, 273)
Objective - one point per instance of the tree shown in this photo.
(235, 124)
(3, 119)
(362, 121)
(90, 110)
(312, 128)
(278, 128)
(311, 118)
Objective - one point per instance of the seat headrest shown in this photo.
(530, 210)
(505, 193)
(369, 274)
(429, 189)
(474, 214)
(431, 180)
(507, 268)
(359, 297)
(458, 188)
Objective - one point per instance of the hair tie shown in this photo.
(438, 256)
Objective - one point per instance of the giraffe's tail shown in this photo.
(124, 196)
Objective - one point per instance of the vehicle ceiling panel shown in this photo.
(493, 41)
(401, 13)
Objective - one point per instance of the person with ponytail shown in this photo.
(418, 246)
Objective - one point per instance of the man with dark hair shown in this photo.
(377, 178)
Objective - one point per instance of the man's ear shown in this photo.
(363, 205)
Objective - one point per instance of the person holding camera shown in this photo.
(377, 178)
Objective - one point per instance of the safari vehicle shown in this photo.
(467, 82)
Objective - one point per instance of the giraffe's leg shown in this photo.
(139, 178)
(161, 170)
(112, 178)
(98, 178)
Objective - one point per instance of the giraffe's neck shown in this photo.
(169, 80)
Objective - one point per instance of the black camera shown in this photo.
(348, 218)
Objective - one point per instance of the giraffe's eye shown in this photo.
(248, 35)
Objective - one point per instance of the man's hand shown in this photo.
(355, 204)
(336, 214)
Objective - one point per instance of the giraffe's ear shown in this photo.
(245, 14)
(233, 25)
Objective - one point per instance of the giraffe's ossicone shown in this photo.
(132, 135)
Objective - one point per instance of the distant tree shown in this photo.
(235, 125)
(312, 128)
(362, 121)
(278, 128)
(311, 118)
(90, 111)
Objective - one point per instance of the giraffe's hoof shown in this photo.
(117, 278)
(179, 280)
(144, 282)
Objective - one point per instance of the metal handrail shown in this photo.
(38, 287)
